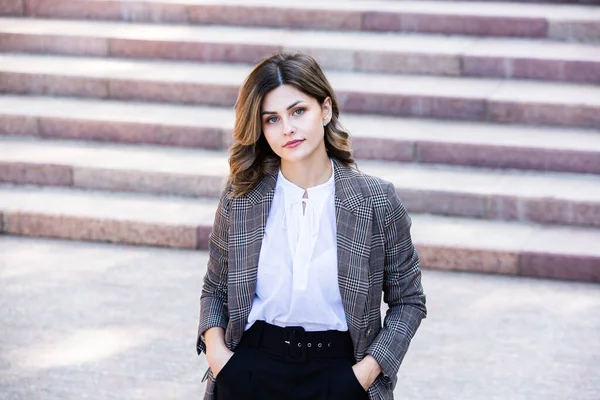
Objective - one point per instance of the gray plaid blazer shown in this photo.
(375, 256)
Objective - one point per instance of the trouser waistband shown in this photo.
(294, 344)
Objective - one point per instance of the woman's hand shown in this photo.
(217, 354)
(366, 371)
(218, 358)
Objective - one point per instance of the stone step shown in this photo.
(566, 199)
(374, 137)
(472, 99)
(562, 22)
(353, 51)
(544, 2)
(443, 242)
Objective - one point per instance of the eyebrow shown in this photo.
(290, 106)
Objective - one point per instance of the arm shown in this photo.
(402, 288)
(213, 300)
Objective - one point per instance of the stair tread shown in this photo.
(491, 8)
(114, 156)
(288, 38)
(229, 74)
(426, 229)
(155, 159)
(107, 205)
(359, 125)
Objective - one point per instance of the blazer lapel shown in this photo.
(247, 228)
(353, 221)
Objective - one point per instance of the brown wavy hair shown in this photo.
(251, 156)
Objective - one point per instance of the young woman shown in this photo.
(302, 248)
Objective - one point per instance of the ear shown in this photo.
(326, 110)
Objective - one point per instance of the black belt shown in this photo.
(295, 344)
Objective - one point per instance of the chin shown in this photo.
(294, 158)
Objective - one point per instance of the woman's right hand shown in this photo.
(218, 358)
(217, 354)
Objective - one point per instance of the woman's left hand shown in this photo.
(366, 371)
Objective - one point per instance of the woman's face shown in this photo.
(292, 123)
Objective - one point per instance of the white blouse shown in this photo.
(297, 283)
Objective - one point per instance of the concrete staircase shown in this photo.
(115, 117)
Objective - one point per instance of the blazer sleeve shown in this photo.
(402, 288)
(213, 300)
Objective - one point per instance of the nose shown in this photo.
(288, 127)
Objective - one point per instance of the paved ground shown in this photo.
(96, 321)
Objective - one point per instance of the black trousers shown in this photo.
(256, 372)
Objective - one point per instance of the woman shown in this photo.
(303, 245)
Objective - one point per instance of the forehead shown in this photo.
(283, 96)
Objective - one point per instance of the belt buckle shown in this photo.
(295, 344)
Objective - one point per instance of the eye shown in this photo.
(299, 111)
(271, 120)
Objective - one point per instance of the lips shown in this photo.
(293, 143)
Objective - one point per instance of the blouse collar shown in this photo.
(293, 191)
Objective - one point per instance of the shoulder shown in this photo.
(381, 192)
(226, 198)
(387, 205)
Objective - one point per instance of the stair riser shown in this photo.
(554, 266)
(114, 131)
(575, 30)
(98, 230)
(12, 7)
(351, 60)
(475, 109)
(145, 182)
(316, 18)
(398, 150)
(495, 207)
(544, 114)
(121, 89)
(455, 24)
(552, 70)
(131, 48)
(503, 208)
(543, 1)
(481, 155)
(585, 269)
(540, 265)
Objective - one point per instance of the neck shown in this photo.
(308, 173)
